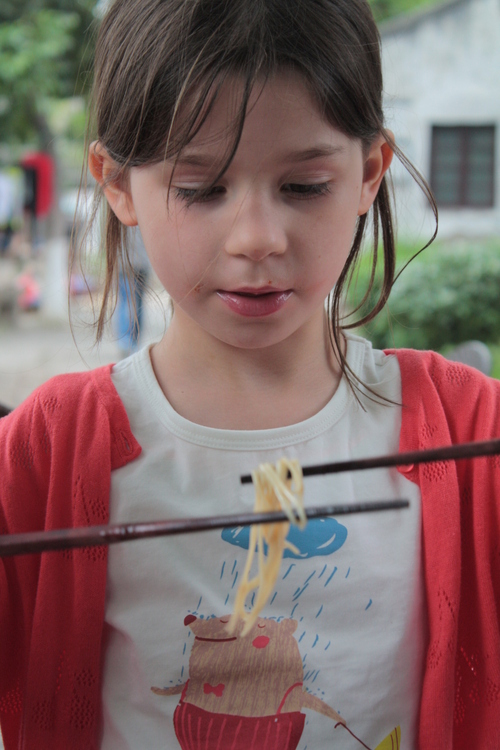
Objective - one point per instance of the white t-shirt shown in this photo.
(344, 628)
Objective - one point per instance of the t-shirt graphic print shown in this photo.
(247, 692)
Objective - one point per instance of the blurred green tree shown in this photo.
(446, 296)
(46, 48)
(45, 51)
(384, 9)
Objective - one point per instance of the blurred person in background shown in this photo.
(129, 314)
(7, 208)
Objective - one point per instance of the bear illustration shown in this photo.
(246, 692)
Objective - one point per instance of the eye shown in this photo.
(199, 195)
(300, 191)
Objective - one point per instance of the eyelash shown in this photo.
(305, 192)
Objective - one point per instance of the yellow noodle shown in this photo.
(273, 491)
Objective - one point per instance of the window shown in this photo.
(462, 166)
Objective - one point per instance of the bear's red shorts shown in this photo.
(197, 729)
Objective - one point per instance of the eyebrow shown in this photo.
(196, 160)
(308, 154)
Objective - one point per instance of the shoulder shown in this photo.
(431, 373)
(436, 391)
(70, 407)
(59, 399)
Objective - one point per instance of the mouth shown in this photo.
(215, 640)
(255, 302)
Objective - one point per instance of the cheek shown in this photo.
(333, 229)
(325, 263)
(178, 272)
(179, 251)
(260, 642)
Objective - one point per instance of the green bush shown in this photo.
(448, 294)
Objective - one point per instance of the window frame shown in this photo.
(464, 132)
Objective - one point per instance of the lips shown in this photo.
(215, 640)
(254, 303)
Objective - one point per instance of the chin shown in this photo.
(255, 340)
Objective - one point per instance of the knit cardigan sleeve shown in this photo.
(57, 451)
(445, 403)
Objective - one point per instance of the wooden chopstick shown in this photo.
(92, 536)
(445, 453)
(42, 541)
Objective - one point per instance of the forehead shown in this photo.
(283, 120)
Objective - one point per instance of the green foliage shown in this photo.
(45, 51)
(31, 47)
(446, 296)
(78, 57)
(31, 64)
(495, 354)
(384, 9)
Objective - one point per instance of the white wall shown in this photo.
(442, 69)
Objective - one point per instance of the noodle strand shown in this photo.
(274, 491)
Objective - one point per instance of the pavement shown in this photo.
(35, 346)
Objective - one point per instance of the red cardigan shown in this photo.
(65, 440)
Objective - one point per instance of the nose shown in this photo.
(257, 229)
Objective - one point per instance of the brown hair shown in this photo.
(154, 56)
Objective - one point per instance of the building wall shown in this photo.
(442, 68)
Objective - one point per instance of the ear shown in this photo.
(116, 189)
(289, 625)
(377, 162)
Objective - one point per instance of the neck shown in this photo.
(212, 383)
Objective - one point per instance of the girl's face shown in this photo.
(252, 264)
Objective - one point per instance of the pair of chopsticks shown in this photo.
(58, 539)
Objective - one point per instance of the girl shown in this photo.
(246, 140)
